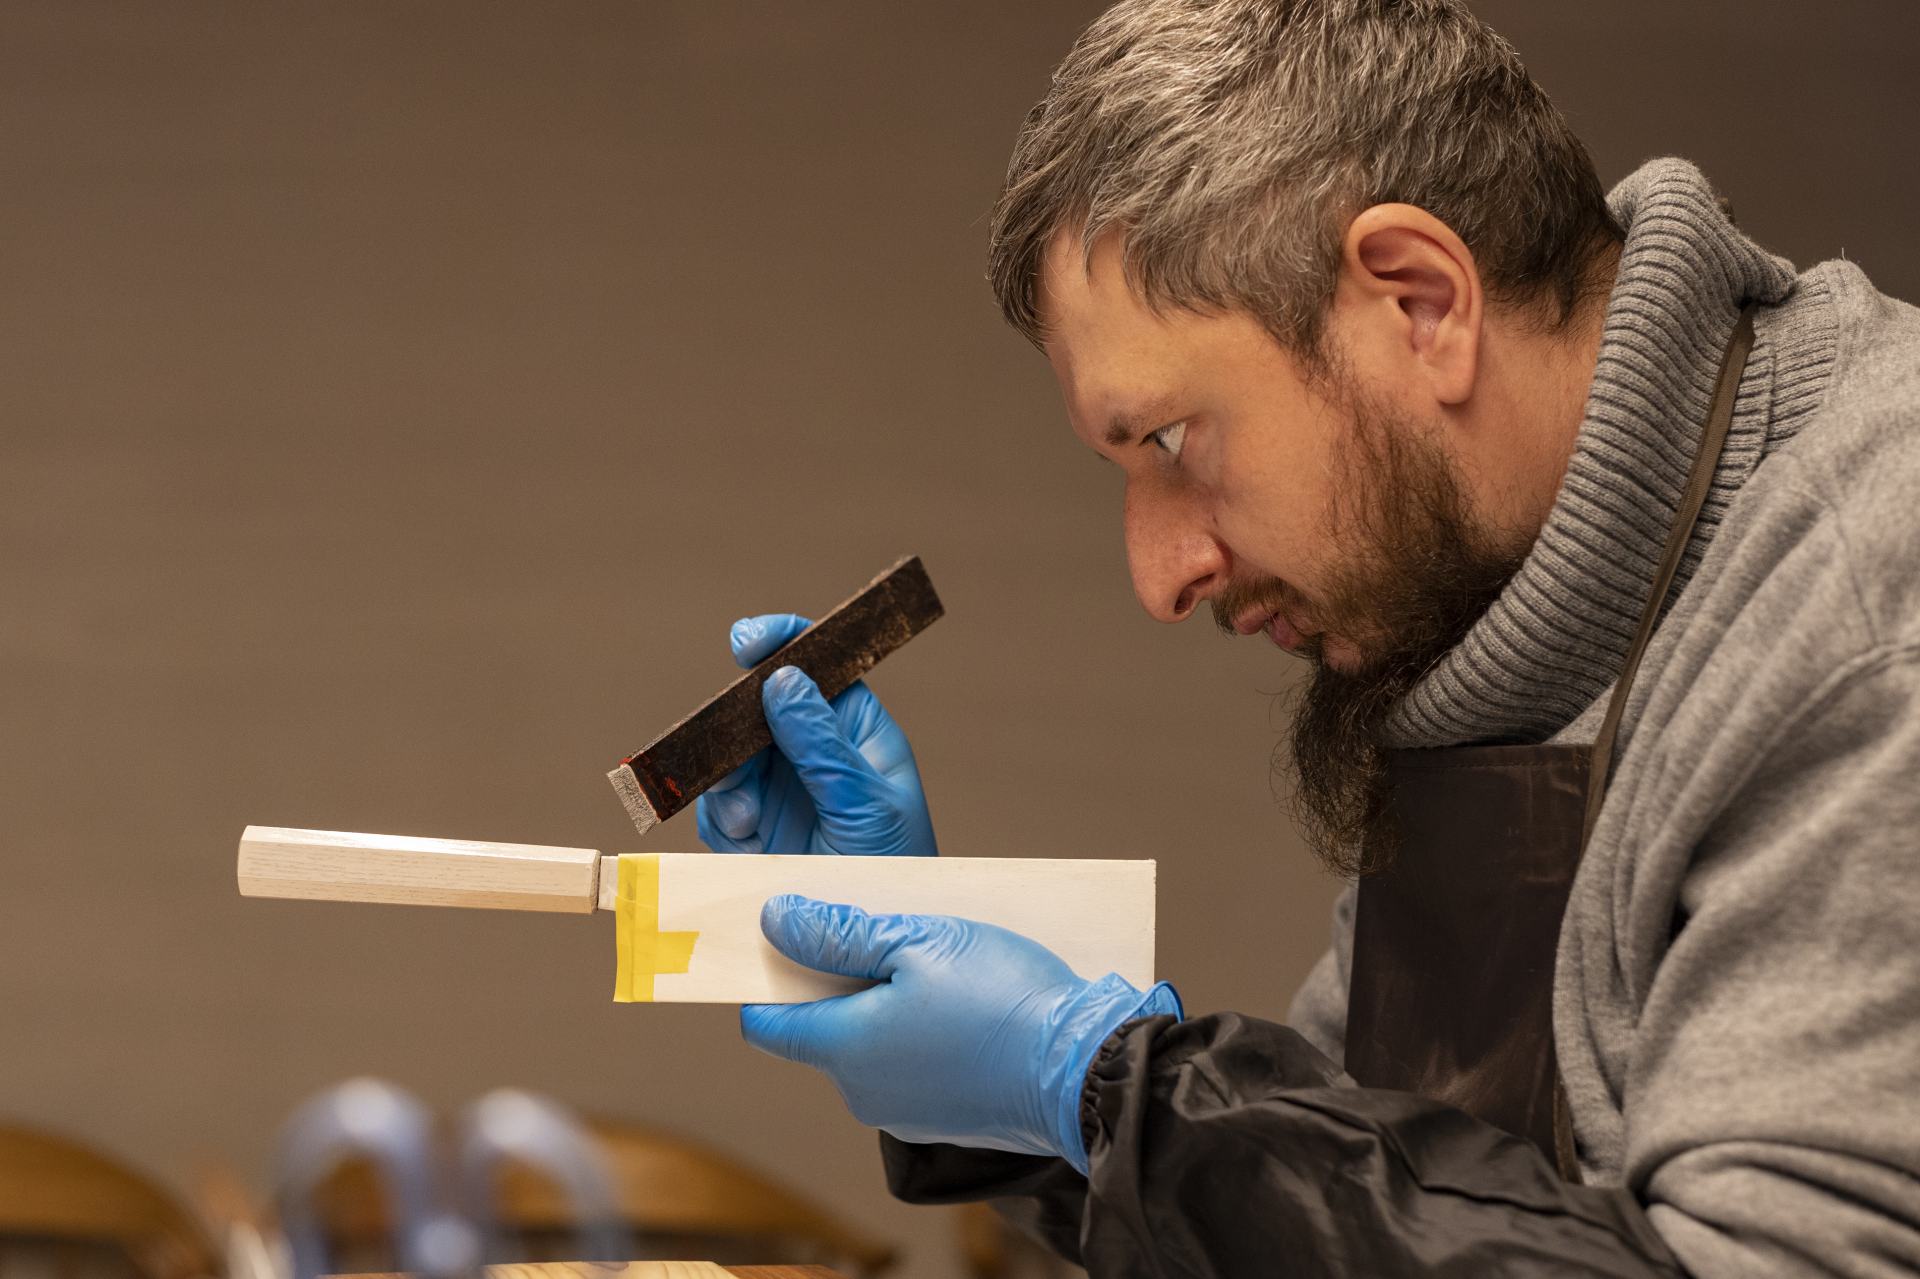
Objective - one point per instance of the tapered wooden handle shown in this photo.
(330, 865)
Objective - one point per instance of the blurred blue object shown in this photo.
(442, 1227)
(511, 1126)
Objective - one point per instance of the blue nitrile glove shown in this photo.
(838, 778)
(975, 1035)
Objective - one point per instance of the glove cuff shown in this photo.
(1101, 1008)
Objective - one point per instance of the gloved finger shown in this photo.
(718, 840)
(794, 1032)
(736, 812)
(733, 815)
(733, 804)
(832, 937)
(807, 731)
(728, 815)
(754, 639)
(865, 723)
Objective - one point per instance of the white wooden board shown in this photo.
(1096, 915)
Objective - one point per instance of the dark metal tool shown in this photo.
(672, 770)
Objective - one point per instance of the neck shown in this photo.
(1554, 641)
(1530, 399)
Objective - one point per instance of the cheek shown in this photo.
(1270, 507)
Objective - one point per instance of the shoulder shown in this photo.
(1847, 485)
(1809, 591)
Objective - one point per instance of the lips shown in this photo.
(1254, 619)
(1278, 629)
(1282, 633)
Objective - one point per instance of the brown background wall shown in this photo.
(397, 402)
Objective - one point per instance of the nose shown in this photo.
(1175, 559)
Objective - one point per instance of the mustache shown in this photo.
(1269, 594)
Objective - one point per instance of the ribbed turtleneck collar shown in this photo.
(1557, 636)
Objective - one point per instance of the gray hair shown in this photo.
(1231, 142)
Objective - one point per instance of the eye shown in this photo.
(1169, 438)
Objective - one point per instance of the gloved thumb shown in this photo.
(794, 1032)
(833, 938)
(754, 639)
(807, 732)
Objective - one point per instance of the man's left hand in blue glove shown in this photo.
(975, 1035)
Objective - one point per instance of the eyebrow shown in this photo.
(1126, 424)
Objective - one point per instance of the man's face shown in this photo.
(1321, 512)
(1246, 487)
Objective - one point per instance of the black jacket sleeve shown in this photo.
(1230, 1146)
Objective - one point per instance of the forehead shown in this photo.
(1116, 357)
(1107, 347)
(1088, 310)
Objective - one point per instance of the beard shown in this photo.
(1419, 573)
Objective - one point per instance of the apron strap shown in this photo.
(1700, 479)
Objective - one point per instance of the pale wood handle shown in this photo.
(328, 865)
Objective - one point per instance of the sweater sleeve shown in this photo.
(1771, 1097)
(1319, 1010)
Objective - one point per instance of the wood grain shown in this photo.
(596, 1270)
(671, 771)
(636, 1270)
(278, 861)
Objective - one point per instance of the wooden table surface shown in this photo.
(635, 1270)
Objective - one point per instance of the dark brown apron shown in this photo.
(1454, 943)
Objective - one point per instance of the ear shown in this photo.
(1414, 288)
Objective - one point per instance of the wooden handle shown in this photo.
(341, 866)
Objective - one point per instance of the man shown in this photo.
(1597, 525)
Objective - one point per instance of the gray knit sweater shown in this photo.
(1737, 1001)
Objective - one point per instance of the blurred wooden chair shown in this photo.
(70, 1212)
(992, 1249)
(678, 1198)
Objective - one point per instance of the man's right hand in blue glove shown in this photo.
(973, 1035)
(839, 777)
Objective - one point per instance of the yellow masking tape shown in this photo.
(644, 951)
